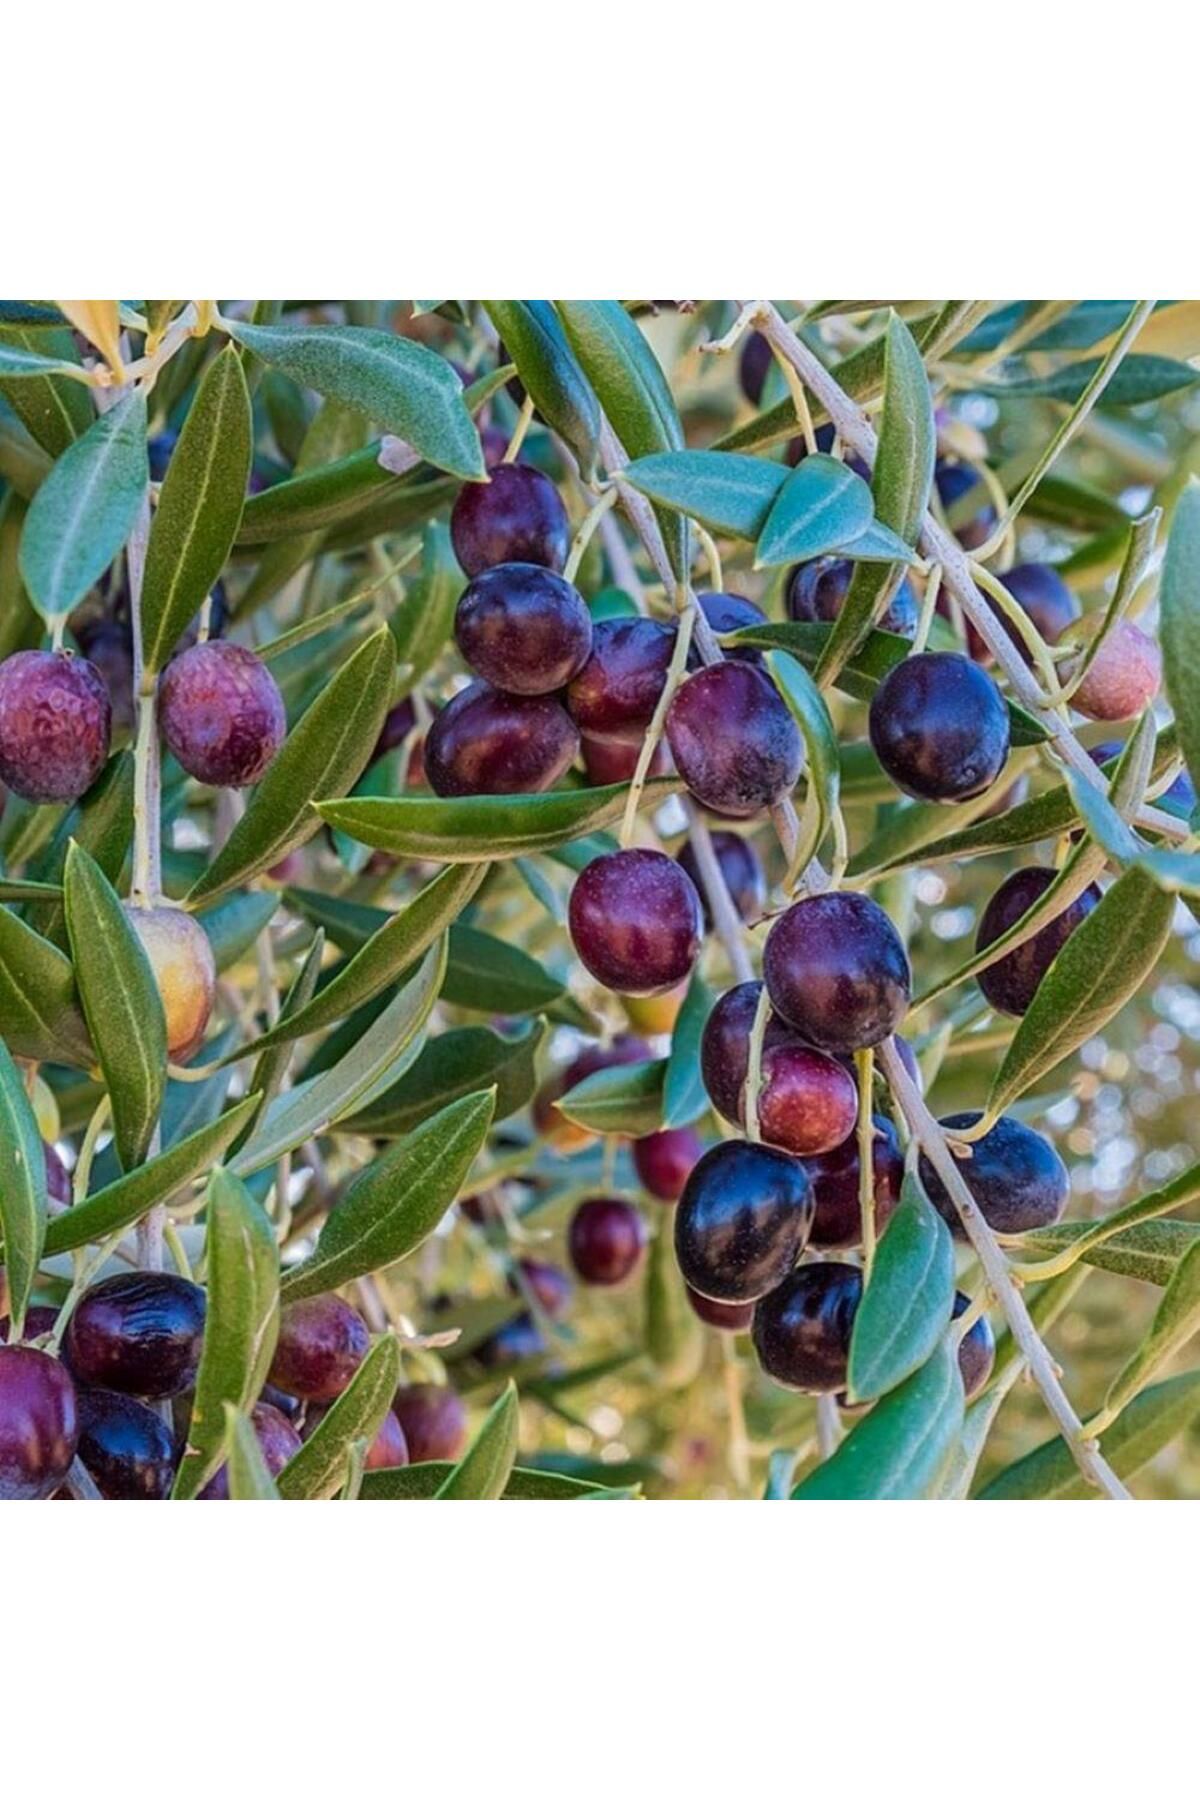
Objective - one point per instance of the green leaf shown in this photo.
(729, 494)
(266, 1077)
(1175, 1321)
(18, 364)
(332, 492)
(319, 1467)
(378, 1057)
(402, 386)
(452, 1065)
(674, 1340)
(102, 824)
(1137, 379)
(1179, 604)
(822, 763)
(820, 506)
(1097, 970)
(121, 1003)
(54, 409)
(484, 827)
(199, 508)
(488, 975)
(39, 1017)
(393, 1204)
(322, 757)
(234, 926)
(241, 1323)
(421, 1481)
(626, 1100)
(424, 620)
(485, 1468)
(1146, 1252)
(123, 1202)
(684, 1095)
(898, 1451)
(22, 1190)
(85, 509)
(552, 378)
(1146, 1426)
(907, 1302)
(249, 1476)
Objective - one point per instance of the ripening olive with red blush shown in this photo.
(807, 1102)
(523, 628)
(185, 973)
(486, 742)
(1123, 677)
(665, 1159)
(837, 971)
(837, 1219)
(635, 921)
(605, 1241)
(138, 1333)
(733, 740)
(55, 725)
(741, 870)
(1016, 1177)
(614, 764)
(321, 1345)
(517, 516)
(278, 1440)
(1010, 983)
(128, 1451)
(743, 1221)
(221, 713)
(434, 1421)
(39, 1425)
(939, 726)
(801, 1330)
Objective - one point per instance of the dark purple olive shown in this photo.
(802, 1329)
(278, 1440)
(39, 1424)
(1016, 1176)
(744, 1219)
(322, 1343)
(434, 1421)
(137, 1334)
(125, 1447)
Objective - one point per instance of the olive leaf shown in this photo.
(85, 509)
(22, 1190)
(39, 1013)
(1136, 380)
(249, 1476)
(454, 1064)
(728, 493)
(684, 1095)
(102, 824)
(1145, 1427)
(121, 1003)
(552, 378)
(899, 1450)
(199, 507)
(908, 1299)
(487, 974)
(627, 1099)
(424, 620)
(488, 1462)
(322, 756)
(234, 925)
(1175, 1321)
(318, 1468)
(393, 1204)
(421, 1481)
(241, 1324)
(1179, 603)
(1150, 1251)
(823, 768)
(54, 409)
(821, 505)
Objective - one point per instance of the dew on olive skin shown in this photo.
(138, 1333)
(635, 921)
(1015, 1175)
(55, 725)
(523, 628)
(486, 742)
(1010, 983)
(742, 1222)
(939, 726)
(517, 516)
(837, 971)
(801, 1330)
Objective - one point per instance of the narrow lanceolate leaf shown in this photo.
(19, 364)
(627, 1100)
(907, 1302)
(423, 621)
(1146, 1426)
(249, 1476)
(121, 1003)
(84, 510)
(323, 756)
(822, 763)
(234, 926)
(451, 1066)
(727, 493)
(534, 338)
(898, 1451)
(39, 1011)
(684, 1095)
(377, 1058)
(409, 390)
(1176, 1320)
(484, 827)
(22, 1189)
(421, 1481)
(199, 508)
(1097, 970)
(1139, 378)
(318, 1469)
(240, 1327)
(54, 409)
(488, 975)
(822, 505)
(484, 1470)
(393, 948)
(393, 1204)
(102, 824)
(123, 1202)
(1179, 603)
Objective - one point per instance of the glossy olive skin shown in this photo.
(744, 1219)
(606, 764)
(837, 1221)
(725, 1046)
(953, 482)
(125, 1447)
(184, 971)
(614, 695)
(221, 714)
(399, 724)
(55, 725)
(807, 1102)
(837, 971)
(665, 1159)
(605, 1241)
(730, 612)
(137, 1334)
(39, 1425)
(434, 1421)
(741, 869)
(322, 1343)
(635, 921)
(977, 1350)
(1018, 1180)
(517, 516)
(1011, 982)
(58, 1181)
(523, 628)
(278, 1440)
(734, 741)
(939, 726)
(801, 1331)
(722, 1317)
(486, 742)
(816, 592)
(551, 1286)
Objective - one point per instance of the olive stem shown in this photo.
(522, 426)
(650, 743)
(750, 1092)
(933, 582)
(720, 902)
(79, 1483)
(588, 526)
(864, 1068)
(146, 888)
(829, 1426)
